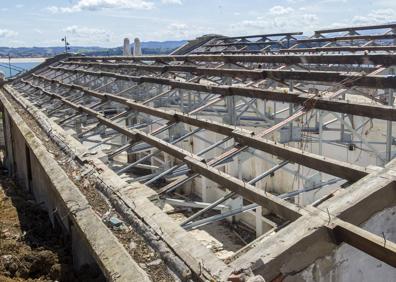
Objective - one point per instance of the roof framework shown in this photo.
(350, 39)
(144, 100)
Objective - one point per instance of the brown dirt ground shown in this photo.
(30, 249)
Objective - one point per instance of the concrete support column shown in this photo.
(181, 97)
(174, 132)
(320, 150)
(230, 106)
(260, 107)
(259, 221)
(189, 101)
(131, 120)
(77, 125)
(342, 128)
(230, 101)
(204, 191)
(389, 137)
(291, 106)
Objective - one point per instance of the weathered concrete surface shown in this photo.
(347, 263)
(132, 200)
(356, 204)
(51, 185)
(274, 258)
(288, 250)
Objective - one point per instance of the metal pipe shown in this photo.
(221, 216)
(199, 154)
(229, 195)
(157, 151)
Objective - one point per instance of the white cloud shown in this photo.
(280, 10)
(278, 19)
(19, 6)
(96, 5)
(375, 17)
(86, 35)
(334, 1)
(6, 33)
(179, 2)
(178, 26)
(309, 18)
(178, 30)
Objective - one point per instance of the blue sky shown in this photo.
(106, 22)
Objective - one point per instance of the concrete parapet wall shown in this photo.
(177, 247)
(37, 171)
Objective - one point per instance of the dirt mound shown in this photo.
(29, 247)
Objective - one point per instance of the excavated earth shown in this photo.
(30, 249)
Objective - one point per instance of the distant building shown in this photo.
(137, 49)
(127, 48)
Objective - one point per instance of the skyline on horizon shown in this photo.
(105, 23)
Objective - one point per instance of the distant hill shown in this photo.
(149, 47)
(163, 44)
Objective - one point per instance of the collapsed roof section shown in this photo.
(138, 114)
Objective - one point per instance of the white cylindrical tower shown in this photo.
(127, 48)
(137, 50)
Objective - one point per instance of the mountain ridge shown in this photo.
(148, 47)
